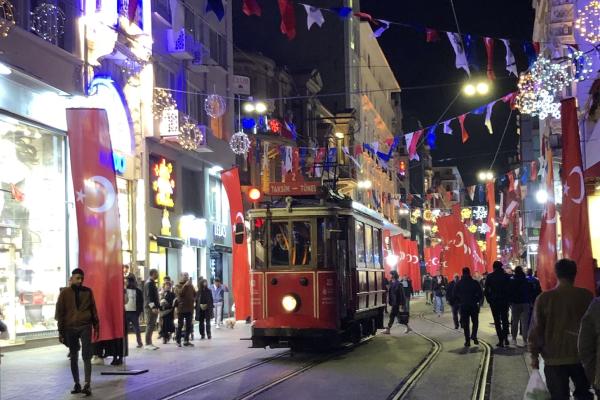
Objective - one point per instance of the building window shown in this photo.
(191, 184)
(218, 48)
(218, 202)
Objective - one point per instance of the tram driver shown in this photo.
(279, 253)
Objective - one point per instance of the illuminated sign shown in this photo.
(219, 232)
(120, 163)
(162, 182)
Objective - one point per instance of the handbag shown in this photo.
(204, 307)
(403, 317)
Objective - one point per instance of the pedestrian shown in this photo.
(427, 281)
(519, 297)
(482, 284)
(589, 343)
(151, 307)
(408, 291)
(385, 286)
(134, 306)
(204, 309)
(553, 335)
(453, 300)
(167, 312)
(439, 287)
(496, 293)
(186, 296)
(396, 299)
(218, 294)
(77, 317)
(468, 294)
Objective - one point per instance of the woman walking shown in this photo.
(204, 309)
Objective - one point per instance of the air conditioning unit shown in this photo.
(180, 44)
(198, 62)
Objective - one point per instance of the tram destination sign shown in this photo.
(297, 188)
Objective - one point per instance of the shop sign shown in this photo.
(119, 162)
(241, 85)
(162, 182)
(219, 232)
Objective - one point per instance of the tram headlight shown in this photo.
(290, 303)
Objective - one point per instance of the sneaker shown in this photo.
(201, 337)
(500, 344)
(150, 347)
(188, 344)
(514, 342)
(386, 331)
(506, 343)
(467, 344)
(76, 389)
(139, 346)
(86, 390)
(408, 329)
(218, 326)
(210, 337)
(97, 360)
(178, 344)
(476, 341)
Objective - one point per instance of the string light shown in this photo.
(582, 66)
(215, 105)
(163, 101)
(484, 228)
(480, 212)
(588, 22)
(465, 213)
(190, 136)
(7, 17)
(240, 143)
(48, 22)
(472, 228)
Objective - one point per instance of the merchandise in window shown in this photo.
(259, 238)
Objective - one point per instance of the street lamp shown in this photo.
(258, 107)
(541, 196)
(485, 176)
(365, 184)
(480, 88)
(339, 135)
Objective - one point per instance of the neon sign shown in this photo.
(162, 182)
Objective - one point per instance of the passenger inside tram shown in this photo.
(279, 252)
(301, 250)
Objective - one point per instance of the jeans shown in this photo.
(151, 318)
(455, 314)
(189, 325)
(438, 304)
(520, 313)
(500, 314)
(204, 325)
(557, 380)
(468, 314)
(219, 313)
(72, 339)
(133, 318)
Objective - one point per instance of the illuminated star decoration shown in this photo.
(480, 212)
(484, 228)
(472, 228)
(80, 196)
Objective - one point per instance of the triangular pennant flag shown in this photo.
(457, 45)
(479, 111)
(288, 18)
(412, 140)
(216, 6)
(511, 64)
(510, 99)
(471, 52)
(384, 25)
(408, 140)
(530, 52)
(251, 7)
(488, 116)
(431, 35)
(313, 16)
(471, 192)
(464, 133)
(132, 9)
(447, 128)
(342, 12)
(431, 137)
(353, 159)
(489, 49)
(364, 16)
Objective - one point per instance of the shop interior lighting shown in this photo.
(4, 70)
(339, 135)
(214, 170)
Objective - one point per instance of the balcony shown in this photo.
(180, 44)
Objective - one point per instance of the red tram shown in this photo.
(316, 274)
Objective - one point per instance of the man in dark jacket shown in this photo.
(519, 304)
(452, 300)
(396, 299)
(497, 295)
(76, 316)
(468, 295)
(186, 296)
(151, 307)
(407, 286)
(427, 281)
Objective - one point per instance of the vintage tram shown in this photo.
(317, 276)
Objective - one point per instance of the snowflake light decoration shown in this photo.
(240, 143)
(588, 22)
(480, 212)
(190, 136)
(581, 65)
(7, 17)
(48, 22)
(215, 105)
(484, 228)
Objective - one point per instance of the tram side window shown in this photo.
(301, 251)
(280, 243)
(360, 242)
(377, 247)
(369, 244)
(260, 243)
(321, 241)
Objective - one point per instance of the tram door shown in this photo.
(344, 274)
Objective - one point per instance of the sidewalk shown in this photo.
(44, 372)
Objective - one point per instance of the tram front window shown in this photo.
(301, 251)
(260, 243)
(280, 245)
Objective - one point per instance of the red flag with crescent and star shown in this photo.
(432, 259)
(547, 243)
(98, 227)
(460, 247)
(491, 250)
(576, 241)
(415, 265)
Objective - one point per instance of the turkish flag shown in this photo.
(576, 241)
(547, 244)
(98, 226)
(288, 18)
(460, 247)
(241, 267)
(491, 252)
(432, 258)
(415, 265)
(400, 248)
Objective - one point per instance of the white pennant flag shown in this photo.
(459, 50)
(288, 159)
(313, 16)
(447, 129)
(511, 64)
(347, 153)
(488, 116)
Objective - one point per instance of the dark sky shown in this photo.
(416, 63)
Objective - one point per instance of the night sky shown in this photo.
(416, 62)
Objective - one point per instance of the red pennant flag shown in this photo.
(464, 133)
(364, 17)
(534, 171)
(251, 7)
(491, 250)
(547, 242)
(98, 226)
(576, 241)
(16, 193)
(241, 269)
(511, 181)
(489, 49)
(288, 18)
(432, 35)
(536, 47)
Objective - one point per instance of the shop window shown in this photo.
(280, 243)
(191, 185)
(218, 203)
(259, 238)
(369, 245)
(377, 248)
(359, 238)
(301, 250)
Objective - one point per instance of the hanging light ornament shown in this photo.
(588, 22)
(482, 245)
(465, 213)
(434, 229)
(413, 219)
(190, 136)
(480, 212)
(416, 213)
(472, 228)
(525, 101)
(162, 101)
(240, 143)
(582, 66)
(48, 22)
(428, 215)
(7, 17)
(215, 105)
(484, 228)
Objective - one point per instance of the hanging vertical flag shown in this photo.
(511, 64)
(288, 18)
(547, 254)
(534, 171)
(215, 6)
(491, 252)
(464, 134)
(431, 35)
(384, 25)
(313, 16)
(488, 117)
(489, 49)
(576, 242)
(459, 51)
(251, 7)
(447, 128)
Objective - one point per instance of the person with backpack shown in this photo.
(134, 306)
(497, 295)
(519, 298)
(468, 295)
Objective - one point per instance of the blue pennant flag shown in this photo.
(215, 6)
(343, 12)
(471, 52)
(431, 137)
(530, 52)
(525, 175)
(479, 110)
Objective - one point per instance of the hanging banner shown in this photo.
(98, 227)
(547, 243)
(433, 259)
(491, 240)
(576, 241)
(461, 249)
(415, 265)
(240, 276)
